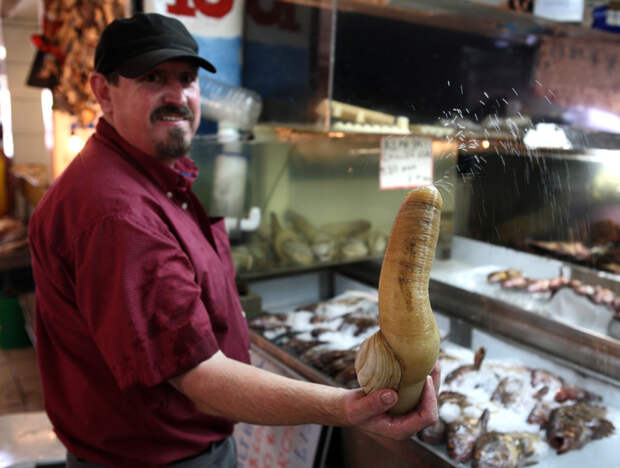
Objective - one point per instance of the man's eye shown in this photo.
(188, 78)
(151, 77)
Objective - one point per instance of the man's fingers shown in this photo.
(403, 427)
(428, 402)
(364, 407)
(424, 414)
(436, 375)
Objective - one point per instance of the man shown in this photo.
(142, 345)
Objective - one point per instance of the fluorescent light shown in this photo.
(546, 135)
(5, 117)
(47, 101)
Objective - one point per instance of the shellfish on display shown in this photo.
(289, 246)
(404, 350)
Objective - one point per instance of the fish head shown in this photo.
(435, 433)
(461, 437)
(499, 456)
(565, 439)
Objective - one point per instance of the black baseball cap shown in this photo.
(133, 46)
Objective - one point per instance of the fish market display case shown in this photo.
(317, 338)
(319, 206)
(527, 264)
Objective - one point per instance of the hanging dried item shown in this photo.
(65, 52)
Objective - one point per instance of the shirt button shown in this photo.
(169, 194)
(184, 206)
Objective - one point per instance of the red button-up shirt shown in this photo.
(134, 285)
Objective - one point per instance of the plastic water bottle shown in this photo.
(229, 105)
(236, 110)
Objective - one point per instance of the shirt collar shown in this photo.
(178, 177)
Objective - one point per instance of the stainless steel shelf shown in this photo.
(586, 353)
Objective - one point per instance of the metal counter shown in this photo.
(360, 449)
(461, 294)
(459, 288)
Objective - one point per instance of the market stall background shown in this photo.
(478, 82)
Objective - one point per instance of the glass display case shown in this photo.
(315, 198)
(528, 260)
(312, 183)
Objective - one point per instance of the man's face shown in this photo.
(159, 111)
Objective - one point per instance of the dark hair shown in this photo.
(112, 77)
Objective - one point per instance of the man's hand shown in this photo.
(221, 386)
(368, 412)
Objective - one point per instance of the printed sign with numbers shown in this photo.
(405, 162)
(275, 446)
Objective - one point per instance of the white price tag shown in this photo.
(560, 10)
(405, 162)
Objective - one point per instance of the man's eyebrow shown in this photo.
(145, 74)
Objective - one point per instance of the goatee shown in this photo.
(174, 147)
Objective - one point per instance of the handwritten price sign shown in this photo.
(405, 162)
(275, 446)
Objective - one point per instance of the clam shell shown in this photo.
(376, 365)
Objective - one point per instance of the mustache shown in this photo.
(181, 111)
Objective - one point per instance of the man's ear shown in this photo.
(101, 90)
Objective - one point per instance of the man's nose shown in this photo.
(175, 92)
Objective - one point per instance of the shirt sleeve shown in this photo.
(137, 291)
